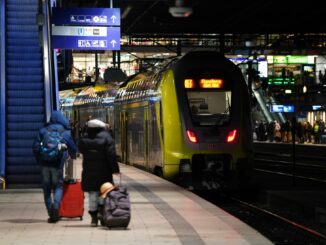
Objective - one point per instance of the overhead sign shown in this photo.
(316, 107)
(86, 16)
(86, 37)
(282, 108)
(86, 28)
(82, 31)
(289, 59)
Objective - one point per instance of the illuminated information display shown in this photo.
(79, 37)
(210, 83)
(282, 108)
(86, 16)
(86, 28)
(204, 83)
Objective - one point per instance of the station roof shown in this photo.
(153, 17)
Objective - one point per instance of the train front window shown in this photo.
(208, 108)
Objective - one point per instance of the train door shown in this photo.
(123, 137)
(136, 136)
(155, 158)
(110, 116)
(146, 138)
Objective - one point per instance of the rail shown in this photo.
(309, 161)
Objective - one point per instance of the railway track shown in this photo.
(277, 228)
(275, 204)
(305, 162)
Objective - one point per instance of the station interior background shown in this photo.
(285, 42)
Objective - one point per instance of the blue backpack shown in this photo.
(50, 146)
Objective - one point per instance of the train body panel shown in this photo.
(173, 148)
(187, 121)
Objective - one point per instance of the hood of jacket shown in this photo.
(58, 118)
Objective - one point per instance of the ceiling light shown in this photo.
(179, 10)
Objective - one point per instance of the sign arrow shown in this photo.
(113, 18)
(113, 43)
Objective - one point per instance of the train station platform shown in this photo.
(161, 213)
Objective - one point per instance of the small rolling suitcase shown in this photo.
(72, 203)
(116, 212)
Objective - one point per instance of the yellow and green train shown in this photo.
(187, 121)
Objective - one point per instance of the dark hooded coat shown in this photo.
(99, 158)
(57, 122)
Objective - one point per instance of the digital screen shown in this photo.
(263, 69)
(203, 83)
(308, 68)
(211, 83)
(316, 107)
(189, 83)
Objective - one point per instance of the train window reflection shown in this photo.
(210, 107)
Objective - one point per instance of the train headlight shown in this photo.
(192, 137)
(231, 136)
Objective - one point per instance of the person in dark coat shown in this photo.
(52, 172)
(99, 163)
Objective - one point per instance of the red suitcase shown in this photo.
(72, 203)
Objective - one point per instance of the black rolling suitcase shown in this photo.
(116, 213)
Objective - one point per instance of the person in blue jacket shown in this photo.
(52, 171)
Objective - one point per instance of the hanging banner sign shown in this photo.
(86, 37)
(86, 16)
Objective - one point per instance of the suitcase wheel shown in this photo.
(81, 217)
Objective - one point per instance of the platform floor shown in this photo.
(161, 213)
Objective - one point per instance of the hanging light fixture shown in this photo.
(179, 10)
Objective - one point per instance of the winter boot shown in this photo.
(55, 215)
(100, 214)
(94, 218)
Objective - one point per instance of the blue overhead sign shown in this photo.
(86, 37)
(86, 28)
(288, 108)
(86, 16)
(316, 107)
(282, 108)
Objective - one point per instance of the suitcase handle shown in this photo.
(119, 179)
(69, 168)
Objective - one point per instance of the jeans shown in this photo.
(52, 181)
(94, 200)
